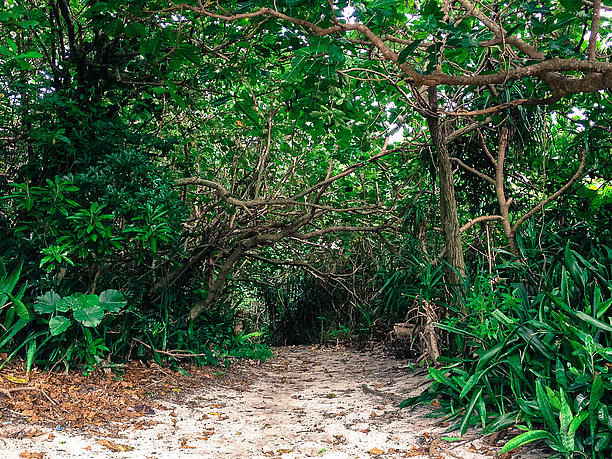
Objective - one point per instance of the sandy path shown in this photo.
(305, 403)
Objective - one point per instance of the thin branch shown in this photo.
(177, 354)
(485, 148)
(553, 196)
(484, 218)
(9, 392)
(467, 129)
(513, 103)
(499, 32)
(474, 171)
(338, 229)
(543, 69)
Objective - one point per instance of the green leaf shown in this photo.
(471, 382)
(112, 300)
(45, 304)
(29, 55)
(560, 375)
(58, 325)
(31, 351)
(501, 422)
(546, 408)
(571, 5)
(16, 328)
(593, 321)
(525, 438)
(86, 300)
(20, 308)
(565, 419)
(68, 303)
(597, 391)
(576, 422)
(408, 50)
(135, 30)
(150, 46)
(7, 284)
(90, 316)
(465, 421)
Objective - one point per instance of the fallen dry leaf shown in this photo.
(414, 451)
(472, 448)
(375, 452)
(34, 432)
(184, 444)
(115, 447)
(28, 455)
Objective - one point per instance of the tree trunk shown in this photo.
(217, 286)
(448, 203)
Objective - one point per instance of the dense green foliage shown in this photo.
(197, 180)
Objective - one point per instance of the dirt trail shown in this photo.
(306, 403)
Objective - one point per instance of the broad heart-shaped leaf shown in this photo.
(112, 300)
(68, 303)
(90, 316)
(86, 301)
(58, 325)
(46, 303)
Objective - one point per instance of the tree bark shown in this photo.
(504, 204)
(448, 203)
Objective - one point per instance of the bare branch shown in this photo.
(542, 70)
(500, 33)
(474, 171)
(486, 149)
(555, 195)
(483, 218)
(512, 103)
(467, 129)
(343, 229)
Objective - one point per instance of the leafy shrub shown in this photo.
(539, 357)
(58, 328)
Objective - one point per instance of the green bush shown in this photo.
(537, 357)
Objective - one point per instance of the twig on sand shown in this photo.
(369, 390)
(177, 354)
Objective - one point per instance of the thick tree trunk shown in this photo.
(448, 203)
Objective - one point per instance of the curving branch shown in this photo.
(467, 129)
(341, 229)
(499, 32)
(555, 195)
(600, 73)
(513, 103)
(474, 171)
(483, 218)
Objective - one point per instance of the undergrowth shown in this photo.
(533, 354)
